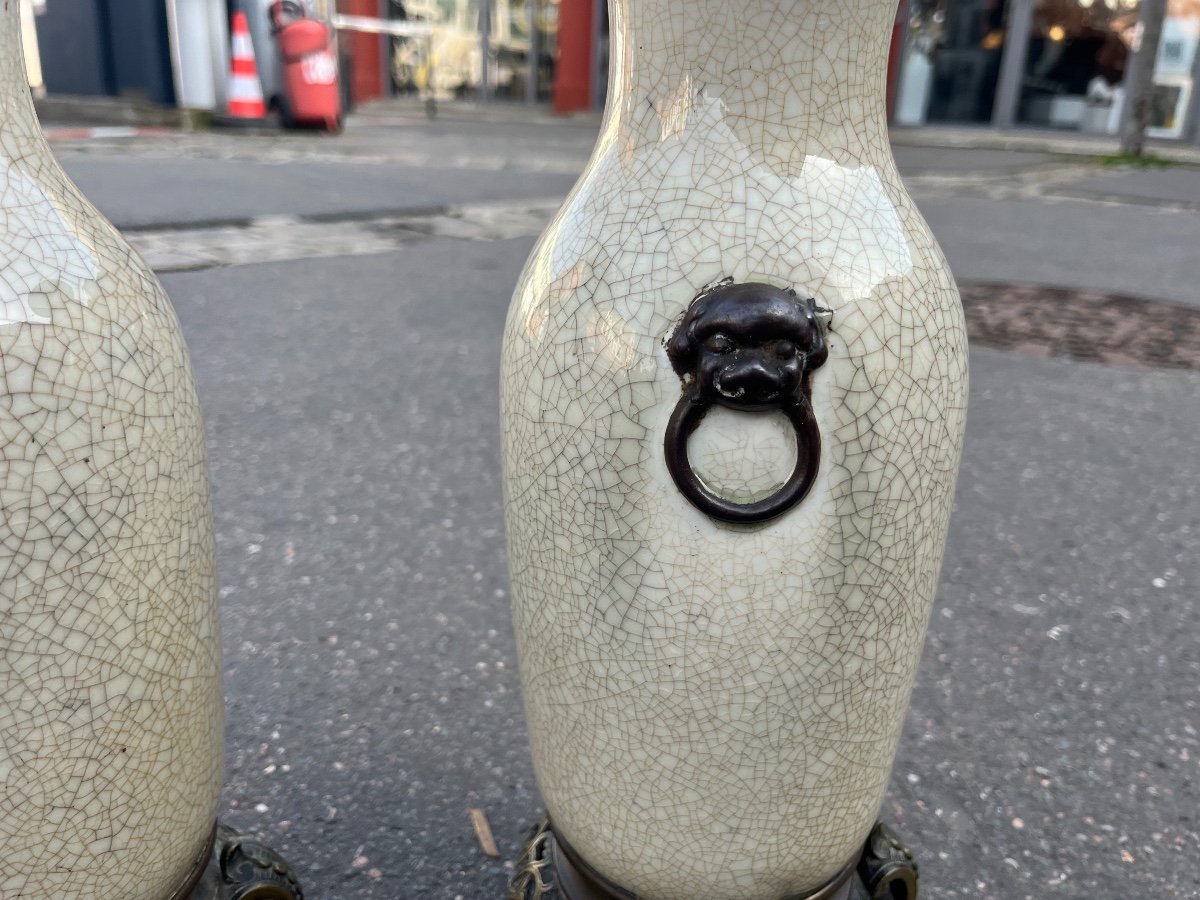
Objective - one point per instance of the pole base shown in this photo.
(239, 868)
(548, 869)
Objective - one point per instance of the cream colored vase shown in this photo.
(110, 725)
(714, 706)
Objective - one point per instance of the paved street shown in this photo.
(343, 301)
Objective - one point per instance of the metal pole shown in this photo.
(1139, 77)
(531, 62)
(485, 41)
(1012, 64)
(218, 30)
(387, 87)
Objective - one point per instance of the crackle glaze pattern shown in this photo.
(714, 709)
(110, 723)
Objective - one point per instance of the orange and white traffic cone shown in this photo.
(245, 90)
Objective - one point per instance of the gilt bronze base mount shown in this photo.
(548, 869)
(240, 868)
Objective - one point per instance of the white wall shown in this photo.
(199, 52)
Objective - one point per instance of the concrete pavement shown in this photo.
(350, 400)
(1000, 214)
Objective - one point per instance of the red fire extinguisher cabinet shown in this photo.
(310, 69)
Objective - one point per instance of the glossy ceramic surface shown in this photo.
(714, 708)
(110, 722)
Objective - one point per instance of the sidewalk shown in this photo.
(80, 112)
(1030, 140)
(1027, 140)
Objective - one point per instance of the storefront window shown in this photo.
(1078, 50)
(547, 46)
(449, 64)
(967, 61)
(1073, 70)
(1174, 68)
(952, 60)
(511, 46)
(521, 28)
(1077, 60)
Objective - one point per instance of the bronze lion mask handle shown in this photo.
(748, 347)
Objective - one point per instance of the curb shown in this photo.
(67, 133)
(1034, 141)
(70, 109)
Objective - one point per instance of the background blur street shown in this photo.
(343, 301)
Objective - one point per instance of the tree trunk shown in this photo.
(1141, 78)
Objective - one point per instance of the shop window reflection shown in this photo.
(522, 28)
(1078, 55)
(449, 64)
(1078, 51)
(964, 41)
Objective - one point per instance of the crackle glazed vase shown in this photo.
(110, 723)
(733, 390)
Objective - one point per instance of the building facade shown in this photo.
(106, 48)
(548, 51)
(1057, 64)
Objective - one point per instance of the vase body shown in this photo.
(714, 708)
(111, 723)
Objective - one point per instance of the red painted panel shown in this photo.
(366, 51)
(573, 68)
(895, 57)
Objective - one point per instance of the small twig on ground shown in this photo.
(483, 832)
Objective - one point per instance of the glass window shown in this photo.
(1078, 50)
(1177, 52)
(449, 64)
(964, 40)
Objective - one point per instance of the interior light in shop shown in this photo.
(1057, 33)
(1111, 4)
(1086, 4)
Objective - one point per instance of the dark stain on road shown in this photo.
(1091, 326)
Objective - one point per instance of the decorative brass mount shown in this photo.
(548, 869)
(240, 868)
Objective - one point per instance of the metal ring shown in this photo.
(687, 415)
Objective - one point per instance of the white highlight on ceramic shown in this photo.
(714, 709)
(36, 246)
(110, 694)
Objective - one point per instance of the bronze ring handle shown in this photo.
(687, 415)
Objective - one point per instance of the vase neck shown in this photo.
(789, 78)
(17, 116)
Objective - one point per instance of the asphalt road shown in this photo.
(1052, 747)
(999, 215)
(204, 191)
(351, 410)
